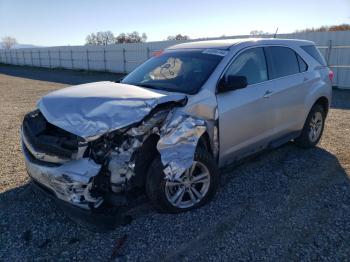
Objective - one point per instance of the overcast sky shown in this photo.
(49, 23)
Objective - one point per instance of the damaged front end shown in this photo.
(86, 171)
(57, 160)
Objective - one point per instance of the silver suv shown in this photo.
(167, 127)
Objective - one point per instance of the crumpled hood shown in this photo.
(90, 110)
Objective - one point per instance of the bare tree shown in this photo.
(91, 39)
(143, 37)
(121, 38)
(178, 37)
(107, 38)
(100, 38)
(8, 42)
(133, 37)
(258, 32)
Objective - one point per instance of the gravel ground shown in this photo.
(287, 204)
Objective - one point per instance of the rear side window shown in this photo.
(302, 64)
(282, 61)
(313, 51)
(251, 64)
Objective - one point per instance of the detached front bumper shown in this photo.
(100, 219)
(70, 181)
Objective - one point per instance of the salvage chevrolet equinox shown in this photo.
(168, 126)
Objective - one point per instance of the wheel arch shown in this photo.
(144, 157)
(204, 142)
(148, 152)
(323, 101)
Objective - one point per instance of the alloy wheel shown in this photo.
(316, 124)
(190, 188)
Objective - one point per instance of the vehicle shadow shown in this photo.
(279, 202)
(341, 99)
(279, 193)
(63, 76)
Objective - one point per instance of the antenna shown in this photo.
(274, 36)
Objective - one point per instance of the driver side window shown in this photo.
(251, 64)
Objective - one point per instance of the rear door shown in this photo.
(245, 122)
(288, 72)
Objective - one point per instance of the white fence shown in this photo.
(123, 58)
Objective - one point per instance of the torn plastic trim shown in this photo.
(123, 157)
(120, 157)
(179, 135)
(46, 157)
(49, 143)
(215, 141)
(70, 182)
(41, 155)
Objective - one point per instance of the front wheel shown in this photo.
(192, 189)
(313, 128)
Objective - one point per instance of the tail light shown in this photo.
(157, 53)
(331, 75)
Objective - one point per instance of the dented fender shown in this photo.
(179, 130)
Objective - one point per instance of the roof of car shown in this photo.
(228, 43)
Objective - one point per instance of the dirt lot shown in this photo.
(288, 204)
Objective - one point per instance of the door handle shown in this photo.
(268, 93)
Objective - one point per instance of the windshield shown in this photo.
(176, 71)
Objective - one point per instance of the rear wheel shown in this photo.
(313, 128)
(196, 186)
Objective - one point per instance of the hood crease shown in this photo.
(91, 110)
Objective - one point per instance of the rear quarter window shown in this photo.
(313, 51)
(302, 65)
(282, 61)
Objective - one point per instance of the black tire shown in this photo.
(155, 183)
(304, 140)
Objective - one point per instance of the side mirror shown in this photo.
(232, 82)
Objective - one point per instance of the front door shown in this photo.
(245, 118)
